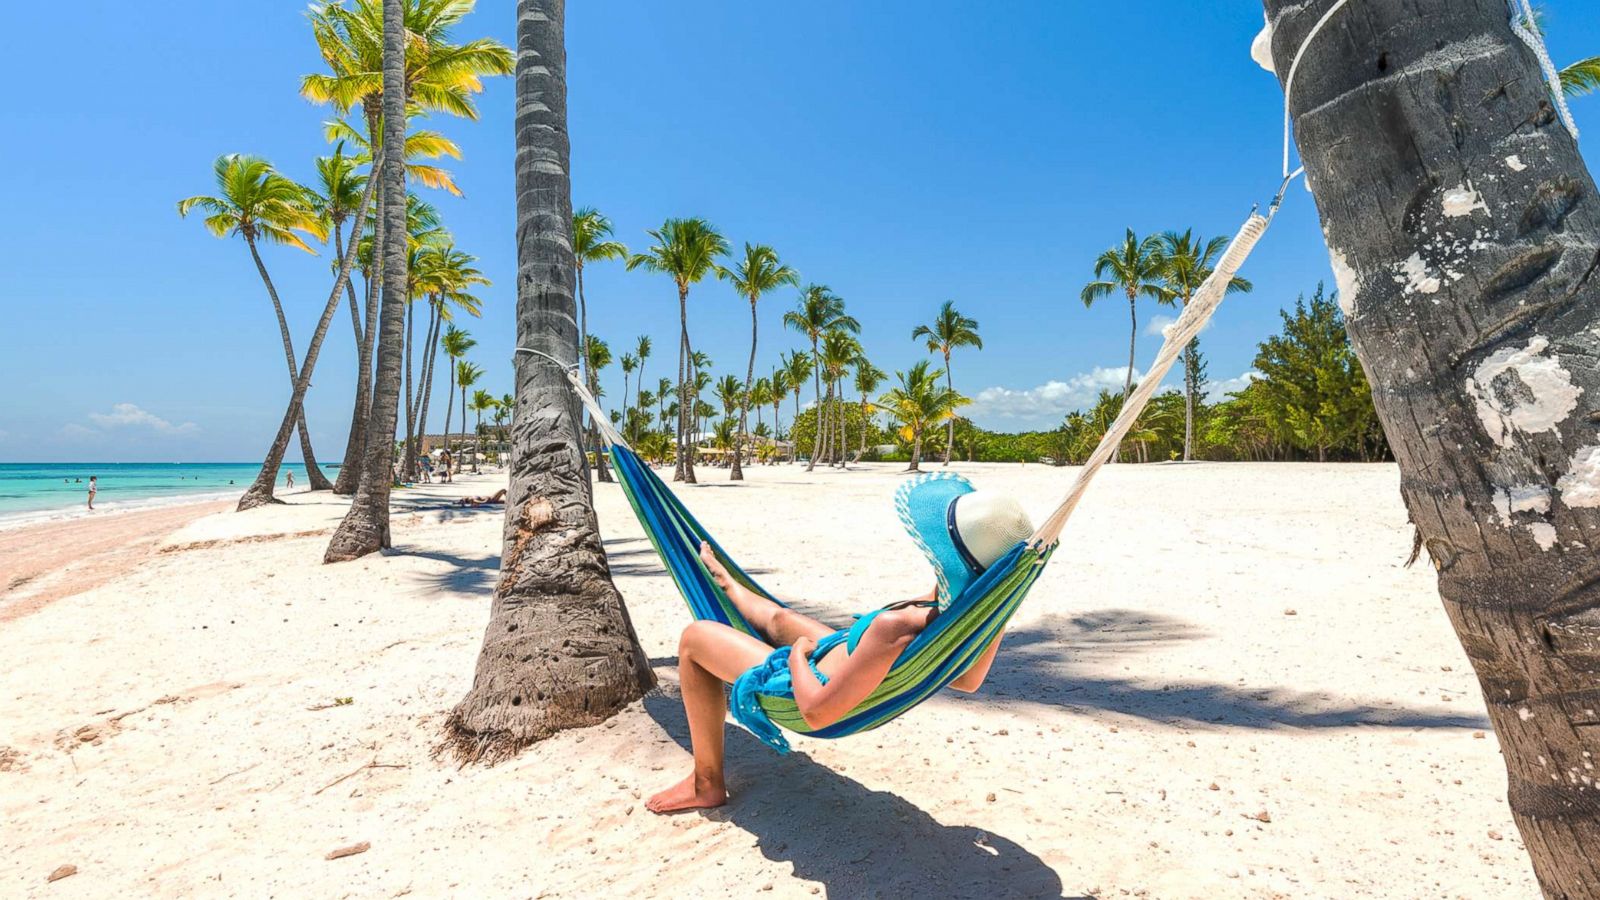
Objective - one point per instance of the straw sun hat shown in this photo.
(961, 530)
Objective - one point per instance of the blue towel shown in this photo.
(771, 677)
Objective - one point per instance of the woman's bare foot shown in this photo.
(719, 572)
(687, 794)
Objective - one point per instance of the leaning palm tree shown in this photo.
(920, 402)
(817, 311)
(256, 203)
(1189, 261)
(1133, 268)
(560, 651)
(950, 329)
(455, 344)
(687, 250)
(591, 242)
(365, 528)
(449, 278)
(759, 272)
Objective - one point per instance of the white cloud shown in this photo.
(1217, 391)
(128, 415)
(1043, 406)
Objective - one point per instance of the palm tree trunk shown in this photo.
(950, 427)
(687, 395)
(409, 461)
(345, 481)
(356, 444)
(1485, 390)
(314, 478)
(260, 491)
(560, 651)
(365, 528)
(916, 450)
(460, 463)
(1188, 401)
(816, 383)
(794, 446)
(429, 355)
(744, 402)
(1133, 335)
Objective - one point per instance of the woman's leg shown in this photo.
(781, 625)
(710, 655)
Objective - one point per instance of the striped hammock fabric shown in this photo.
(763, 697)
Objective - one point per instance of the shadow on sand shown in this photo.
(857, 842)
(1051, 663)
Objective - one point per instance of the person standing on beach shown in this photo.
(289, 477)
(92, 488)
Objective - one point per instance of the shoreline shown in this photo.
(58, 558)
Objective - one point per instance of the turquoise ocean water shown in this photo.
(30, 491)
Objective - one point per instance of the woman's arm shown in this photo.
(821, 704)
(973, 677)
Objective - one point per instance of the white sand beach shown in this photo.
(1227, 685)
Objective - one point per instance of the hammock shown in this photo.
(763, 698)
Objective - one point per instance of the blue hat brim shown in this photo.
(923, 504)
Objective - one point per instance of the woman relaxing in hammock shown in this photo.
(962, 532)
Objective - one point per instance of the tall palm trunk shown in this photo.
(430, 352)
(794, 446)
(350, 472)
(1133, 335)
(345, 481)
(916, 450)
(816, 383)
(450, 407)
(1426, 124)
(686, 393)
(316, 481)
(1188, 401)
(365, 528)
(950, 427)
(560, 651)
(409, 462)
(260, 491)
(744, 402)
(460, 463)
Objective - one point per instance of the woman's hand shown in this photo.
(802, 647)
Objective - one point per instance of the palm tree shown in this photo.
(687, 250)
(920, 402)
(482, 402)
(797, 367)
(467, 375)
(730, 393)
(629, 364)
(1581, 77)
(1190, 260)
(365, 528)
(818, 310)
(1135, 268)
(447, 279)
(554, 602)
(839, 349)
(868, 378)
(950, 329)
(641, 349)
(779, 389)
(759, 273)
(596, 356)
(1517, 581)
(759, 395)
(664, 389)
(591, 242)
(255, 202)
(420, 144)
(456, 343)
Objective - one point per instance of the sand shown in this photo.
(1227, 685)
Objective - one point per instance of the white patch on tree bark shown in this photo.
(1346, 279)
(1544, 534)
(1515, 163)
(1261, 47)
(1417, 278)
(1463, 201)
(1522, 390)
(1534, 498)
(1580, 487)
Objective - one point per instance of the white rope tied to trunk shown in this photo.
(602, 422)
(1178, 335)
(1522, 24)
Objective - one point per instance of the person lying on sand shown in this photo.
(495, 498)
(960, 530)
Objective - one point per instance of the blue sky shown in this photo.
(902, 153)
